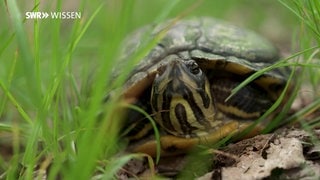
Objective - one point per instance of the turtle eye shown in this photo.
(194, 68)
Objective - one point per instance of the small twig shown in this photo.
(229, 155)
(267, 144)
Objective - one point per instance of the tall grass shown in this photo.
(54, 74)
(308, 47)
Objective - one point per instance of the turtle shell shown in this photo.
(226, 54)
(213, 43)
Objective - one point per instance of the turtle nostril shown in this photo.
(161, 69)
(194, 68)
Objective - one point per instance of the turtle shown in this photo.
(185, 81)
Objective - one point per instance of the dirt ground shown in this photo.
(288, 153)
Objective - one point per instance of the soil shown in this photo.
(288, 153)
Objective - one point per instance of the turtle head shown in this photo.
(181, 98)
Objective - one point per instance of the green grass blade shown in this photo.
(26, 55)
(20, 109)
(154, 125)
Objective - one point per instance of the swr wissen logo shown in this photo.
(53, 15)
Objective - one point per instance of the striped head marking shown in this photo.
(181, 99)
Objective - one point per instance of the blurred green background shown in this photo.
(45, 65)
